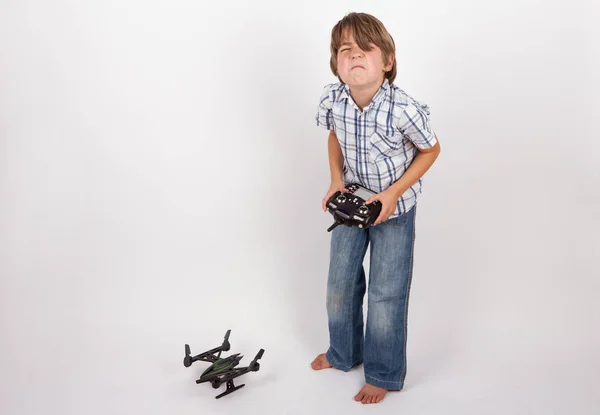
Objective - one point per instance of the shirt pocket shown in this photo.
(382, 146)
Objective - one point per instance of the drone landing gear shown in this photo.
(230, 388)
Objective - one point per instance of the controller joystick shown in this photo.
(351, 209)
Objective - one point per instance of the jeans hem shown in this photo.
(385, 384)
(333, 361)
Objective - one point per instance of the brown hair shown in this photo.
(365, 29)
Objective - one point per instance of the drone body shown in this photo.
(222, 369)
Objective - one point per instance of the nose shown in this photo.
(357, 52)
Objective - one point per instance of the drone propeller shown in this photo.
(254, 365)
(226, 346)
(187, 360)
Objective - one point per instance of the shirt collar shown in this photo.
(345, 93)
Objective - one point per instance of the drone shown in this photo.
(223, 369)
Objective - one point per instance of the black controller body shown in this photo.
(351, 209)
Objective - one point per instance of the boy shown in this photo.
(380, 137)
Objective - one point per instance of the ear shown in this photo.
(389, 64)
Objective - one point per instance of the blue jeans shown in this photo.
(382, 346)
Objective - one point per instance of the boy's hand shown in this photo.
(335, 186)
(388, 200)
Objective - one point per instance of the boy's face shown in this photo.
(359, 68)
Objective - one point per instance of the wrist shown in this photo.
(396, 190)
(336, 180)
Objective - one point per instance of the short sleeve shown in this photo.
(324, 117)
(415, 124)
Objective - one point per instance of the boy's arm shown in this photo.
(336, 158)
(336, 165)
(422, 162)
(388, 198)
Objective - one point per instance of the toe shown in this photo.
(317, 363)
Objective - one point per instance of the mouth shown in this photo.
(357, 67)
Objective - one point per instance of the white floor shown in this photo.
(127, 367)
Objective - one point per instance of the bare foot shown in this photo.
(320, 362)
(370, 394)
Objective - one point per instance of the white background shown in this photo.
(161, 179)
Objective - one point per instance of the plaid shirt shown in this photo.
(380, 142)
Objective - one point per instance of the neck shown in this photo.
(362, 95)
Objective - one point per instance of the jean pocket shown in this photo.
(400, 220)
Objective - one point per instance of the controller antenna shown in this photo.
(336, 223)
